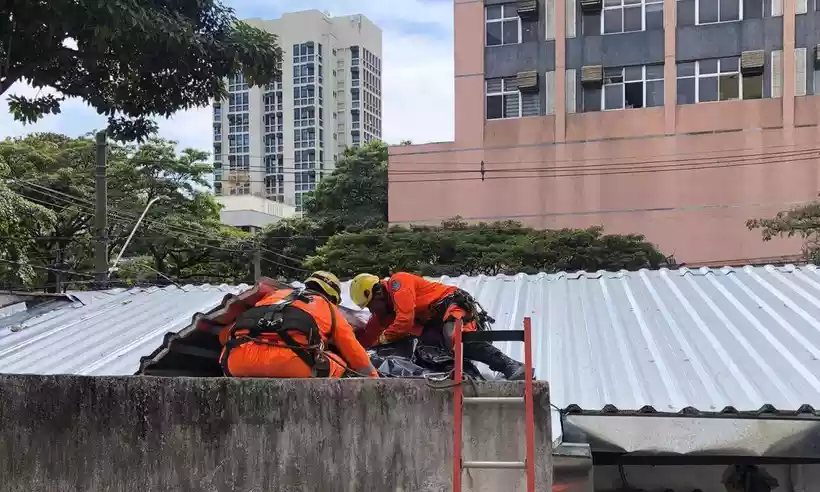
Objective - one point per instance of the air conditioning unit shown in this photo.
(752, 62)
(591, 6)
(592, 75)
(527, 81)
(528, 9)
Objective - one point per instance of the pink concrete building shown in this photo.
(678, 119)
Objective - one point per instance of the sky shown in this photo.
(417, 75)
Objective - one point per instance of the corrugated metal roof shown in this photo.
(100, 333)
(667, 341)
(714, 340)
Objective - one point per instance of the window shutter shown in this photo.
(493, 86)
(549, 88)
(550, 19)
(570, 12)
(777, 8)
(530, 104)
(801, 6)
(777, 74)
(570, 91)
(800, 66)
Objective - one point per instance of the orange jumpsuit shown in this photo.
(412, 298)
(255, 359)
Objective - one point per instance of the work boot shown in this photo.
(496, 359)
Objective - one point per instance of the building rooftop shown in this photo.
(703, 340)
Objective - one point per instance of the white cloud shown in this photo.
(417, 95)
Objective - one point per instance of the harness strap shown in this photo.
(270, 319)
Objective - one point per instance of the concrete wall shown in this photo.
(129, 434)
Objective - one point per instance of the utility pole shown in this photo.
(101, 213)
(257, 259)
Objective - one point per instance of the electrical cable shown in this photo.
(123, 218)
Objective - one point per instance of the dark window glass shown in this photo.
(613, 21)
(707, 89)
(686, 91)
(729, 10)
(633, 95)
(654, 16)
(493, 33)
(495, 107)
(686, 69)
(654, 93)
(510, 34)
(592, 100)
(708, 11)
(614, 96)
(729, 87)
(632, 19)
(753, 87)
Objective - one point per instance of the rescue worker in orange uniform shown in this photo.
(286, 334)
(408, 305)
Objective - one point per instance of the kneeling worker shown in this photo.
(408, 305)
(285, 335)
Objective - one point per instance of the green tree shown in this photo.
(21, 221)
(352, 198)
(802, 221)
(456, 248)
(181, 232)
(131, 60)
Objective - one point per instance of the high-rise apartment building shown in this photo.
(280, 140)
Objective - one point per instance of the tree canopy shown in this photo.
(457, 248)
(802, 221)
(181, 238)
(131, 60)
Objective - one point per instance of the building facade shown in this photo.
(280, 140)
(678, 119)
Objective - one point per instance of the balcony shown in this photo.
(355, 83)
(356, 106)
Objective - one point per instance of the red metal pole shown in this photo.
(458, 374)
(529, 405)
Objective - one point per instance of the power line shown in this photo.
(116, 217)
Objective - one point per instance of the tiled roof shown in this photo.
(669, 341)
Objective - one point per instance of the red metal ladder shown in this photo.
(459, 465)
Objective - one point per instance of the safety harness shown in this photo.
(279, 319)
(465, 301)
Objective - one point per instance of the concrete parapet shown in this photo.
(129, 434)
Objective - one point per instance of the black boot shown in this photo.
(497, 360)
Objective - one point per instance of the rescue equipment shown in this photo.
(279, 319)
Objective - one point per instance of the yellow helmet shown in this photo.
(327, 283)
(361, 288)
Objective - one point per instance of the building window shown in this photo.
(633, 87)
(304, 138)
(239, 162)
(303, 117)
(236, 83)
(621, 16)
(239, 102)
(303, 53)
(239, 144)
(217, 111)
(714, 11)
(304, 74)
(217, 132)
(304, 95)
(503, 99)
(238, 123)
(503, 25)
(716, 80)
(273, 102)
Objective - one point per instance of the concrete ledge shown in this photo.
(68, 433)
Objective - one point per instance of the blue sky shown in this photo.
(417, 74)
